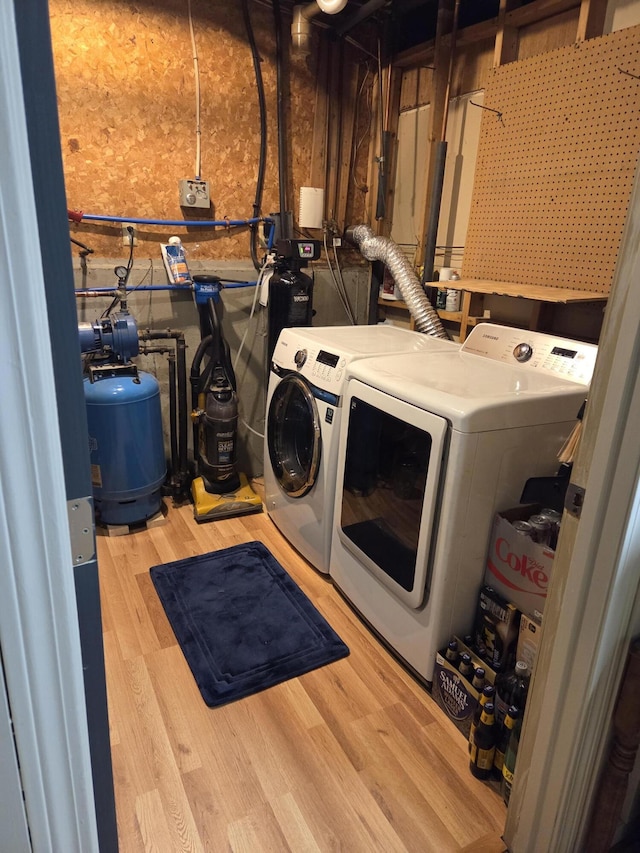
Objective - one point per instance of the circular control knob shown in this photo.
(523, 352)
(300, 357)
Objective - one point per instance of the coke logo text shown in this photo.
(522, 565)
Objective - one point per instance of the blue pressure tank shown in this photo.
(126, 443)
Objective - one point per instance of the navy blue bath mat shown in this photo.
(242, 623)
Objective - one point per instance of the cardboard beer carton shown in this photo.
(453, 693)
(495, 630)
(518, 568)
(529, 639)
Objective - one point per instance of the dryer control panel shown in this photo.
(571, 360)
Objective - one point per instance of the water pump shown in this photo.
(126, 440)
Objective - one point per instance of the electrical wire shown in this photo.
(358, 142)
(336, 284)
(266, 267)
(343, 287)
(282, 154)
(196, 73)
(257, 204)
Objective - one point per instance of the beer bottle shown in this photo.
(478, 678)
(503, 739)
(488, 692)
(452, 653)
(468, 641)
(509, 763)
(466, 666)
(484, 744)
(511, 689)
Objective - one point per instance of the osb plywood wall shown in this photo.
(127, 105)
(555, 166)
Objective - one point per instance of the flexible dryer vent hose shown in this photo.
(375, 248)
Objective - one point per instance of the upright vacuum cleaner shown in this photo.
(218, 491)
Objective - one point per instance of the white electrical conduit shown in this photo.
(375, 248)
(196, 73)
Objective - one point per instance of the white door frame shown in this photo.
(592, 611)
(39, 633)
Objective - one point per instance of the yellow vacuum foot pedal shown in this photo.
(209, 507)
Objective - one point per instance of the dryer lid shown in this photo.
(474, 393)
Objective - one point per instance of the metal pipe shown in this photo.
(169, 351)
(172, 414)
(182, 474)
(435, 201)
(362, 14)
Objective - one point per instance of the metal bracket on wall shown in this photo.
(574, 499)
(81, 528)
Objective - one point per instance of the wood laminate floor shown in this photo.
(354, 756)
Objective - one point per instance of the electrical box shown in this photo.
(129, 235)
(194, 194)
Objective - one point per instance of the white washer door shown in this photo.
(294, 436)
(389, 478)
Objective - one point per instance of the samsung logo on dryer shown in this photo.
(491, 337)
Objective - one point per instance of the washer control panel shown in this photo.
(571, 360)
(326, 366)
(322, 367)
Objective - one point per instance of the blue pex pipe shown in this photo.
(185, 287)
(205, 223)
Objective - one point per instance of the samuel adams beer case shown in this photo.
(517, 567)
(453, 692)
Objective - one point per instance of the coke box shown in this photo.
(517, 567)
(453, 693)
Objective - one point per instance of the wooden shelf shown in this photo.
(474, 291)
(392, 303)
(450, 316)
(536, 292)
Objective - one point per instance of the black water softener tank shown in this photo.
(290, 290)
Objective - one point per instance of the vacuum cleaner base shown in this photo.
(210, 507)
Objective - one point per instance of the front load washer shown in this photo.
(431, 446)
(304, 405)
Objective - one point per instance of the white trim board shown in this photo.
(39, 633)
(592, 611)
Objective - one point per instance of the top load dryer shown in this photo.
(431, 446)
(304, 405)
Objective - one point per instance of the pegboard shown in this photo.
(555, 166)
